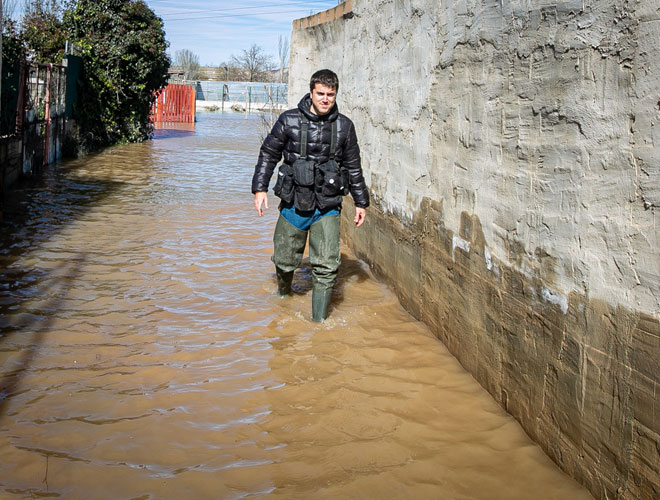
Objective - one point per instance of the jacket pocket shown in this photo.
(303, 172)
(284, 184)
(332, 185)
(333, 180)
(305, 199)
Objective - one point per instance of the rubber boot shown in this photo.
(324, 255)
(284, 279)
(289, 245)
(320, 303)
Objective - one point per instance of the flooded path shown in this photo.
(144, 355)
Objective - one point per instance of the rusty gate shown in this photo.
(43, 121)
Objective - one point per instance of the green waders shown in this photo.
(324, 255)
(289, 243)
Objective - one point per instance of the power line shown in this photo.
(234, 15)
(244, 8)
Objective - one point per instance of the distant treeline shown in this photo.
(233, 74)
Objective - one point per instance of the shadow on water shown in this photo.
(34, 212)
(53, 193)
(172, 134)
(351, 270)
(173, 130)
(38, 325)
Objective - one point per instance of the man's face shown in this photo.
(323, 98)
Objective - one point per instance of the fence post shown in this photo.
(193, 104)
(20, 104)
(49, 82)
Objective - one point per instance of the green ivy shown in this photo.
(123, 47)
(13, 52)
(44, 37)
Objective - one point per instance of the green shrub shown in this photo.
(44, 37)
(13, 52)
(123, 46)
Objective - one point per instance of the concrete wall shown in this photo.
(10, 161)
(510, 150)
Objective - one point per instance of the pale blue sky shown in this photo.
(217, 29)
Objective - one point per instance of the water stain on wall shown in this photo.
(579, 374)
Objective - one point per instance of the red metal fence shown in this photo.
(174, 104)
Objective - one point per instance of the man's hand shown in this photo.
(360, 214)
(260, 199)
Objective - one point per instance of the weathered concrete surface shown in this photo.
(510, 150)
(10, 161)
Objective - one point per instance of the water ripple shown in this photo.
(144, 354)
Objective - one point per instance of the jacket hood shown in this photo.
(306, 103)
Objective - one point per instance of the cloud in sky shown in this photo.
(217, 29)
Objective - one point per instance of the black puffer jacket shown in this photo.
(284, 140)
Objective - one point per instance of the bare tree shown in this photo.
(9, 8)
(255, 62)
(41, 7)
(229, 72)
(283, 55)
(189, 63)
(269, 116)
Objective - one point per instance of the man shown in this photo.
(321, 164)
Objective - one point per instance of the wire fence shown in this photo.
(251, 92)
(45, 92)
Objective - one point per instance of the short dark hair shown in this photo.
(324, 77)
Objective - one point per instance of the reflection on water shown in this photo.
(144, 355)
(167, 130)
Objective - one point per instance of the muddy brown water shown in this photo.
(144, 355)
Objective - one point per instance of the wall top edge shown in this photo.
(324, 17)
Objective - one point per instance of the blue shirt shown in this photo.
(304, 220)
